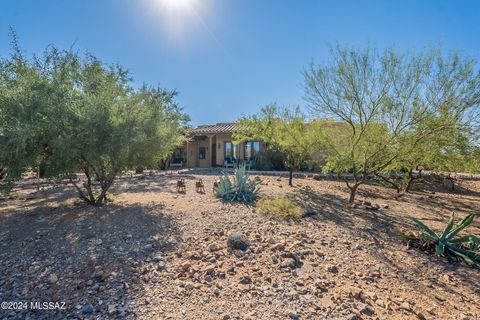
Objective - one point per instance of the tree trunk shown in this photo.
(290, 177)
(38, 178)
(353, 192)
(409, 181)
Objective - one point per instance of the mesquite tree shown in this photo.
(386, 104)
(82, 116)
(284, 130)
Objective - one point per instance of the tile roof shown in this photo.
(213, 129)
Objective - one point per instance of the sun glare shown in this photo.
(178, 5)
(179, 20)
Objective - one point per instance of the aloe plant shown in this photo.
(240, 188)
(447, 244)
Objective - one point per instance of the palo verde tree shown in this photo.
(384, 103)
(282, 129)
(84, 117)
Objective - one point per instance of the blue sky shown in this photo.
(228, 58)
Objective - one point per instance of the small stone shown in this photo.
(405, 306)
(278, 247)
(161, 266)
(293, 315)
(88, 309)
(288, 263)
(367, 310)
(213, 247)
(380, 303)
(148, 247)
(226, 317)
(111, 308)
(52, 278)
(332, 269)
(208, 278)
(186, 266)
(237, 241)
(246, 280)
(157, 258)
(274, 259)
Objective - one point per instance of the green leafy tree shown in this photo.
(384, 104)
(284, 130)
(21, 100)
(78, 115)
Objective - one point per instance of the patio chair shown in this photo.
(228, 163)
(175, 164)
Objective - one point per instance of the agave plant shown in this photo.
(447, 244)
(240, 188)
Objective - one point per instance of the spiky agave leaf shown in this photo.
(240, 188)
(428, 233)
(447, 245)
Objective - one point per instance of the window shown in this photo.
(252, 148)
(231, 150)
(202, 153)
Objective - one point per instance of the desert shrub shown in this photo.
(447, 243)
(238, 189)
(270, 160)
(282, 207)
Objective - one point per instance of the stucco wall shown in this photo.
(192, 151)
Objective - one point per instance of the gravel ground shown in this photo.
(157, 254)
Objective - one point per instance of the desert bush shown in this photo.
(270, 159)
(464, 248)
(238, 189)
(282, 207)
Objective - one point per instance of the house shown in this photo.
(212, 146)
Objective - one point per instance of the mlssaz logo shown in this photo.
(47, 305)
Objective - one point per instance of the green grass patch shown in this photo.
(280, 207)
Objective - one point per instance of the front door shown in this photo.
(214, 154)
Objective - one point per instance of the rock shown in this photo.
(186, 265)
(278, 247)
(161, 266)
(111, 309)
(274, 259)
(52, 278)
(332, 268)
(405, 306)
(367, 310)
(88, 309)
(293, 315)
(246, 280)
(213, 247)
(148, 247)
(226, 317)
(379, 302)
(157, 258)
(288, 263)
(208, 278)
(237, 241)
